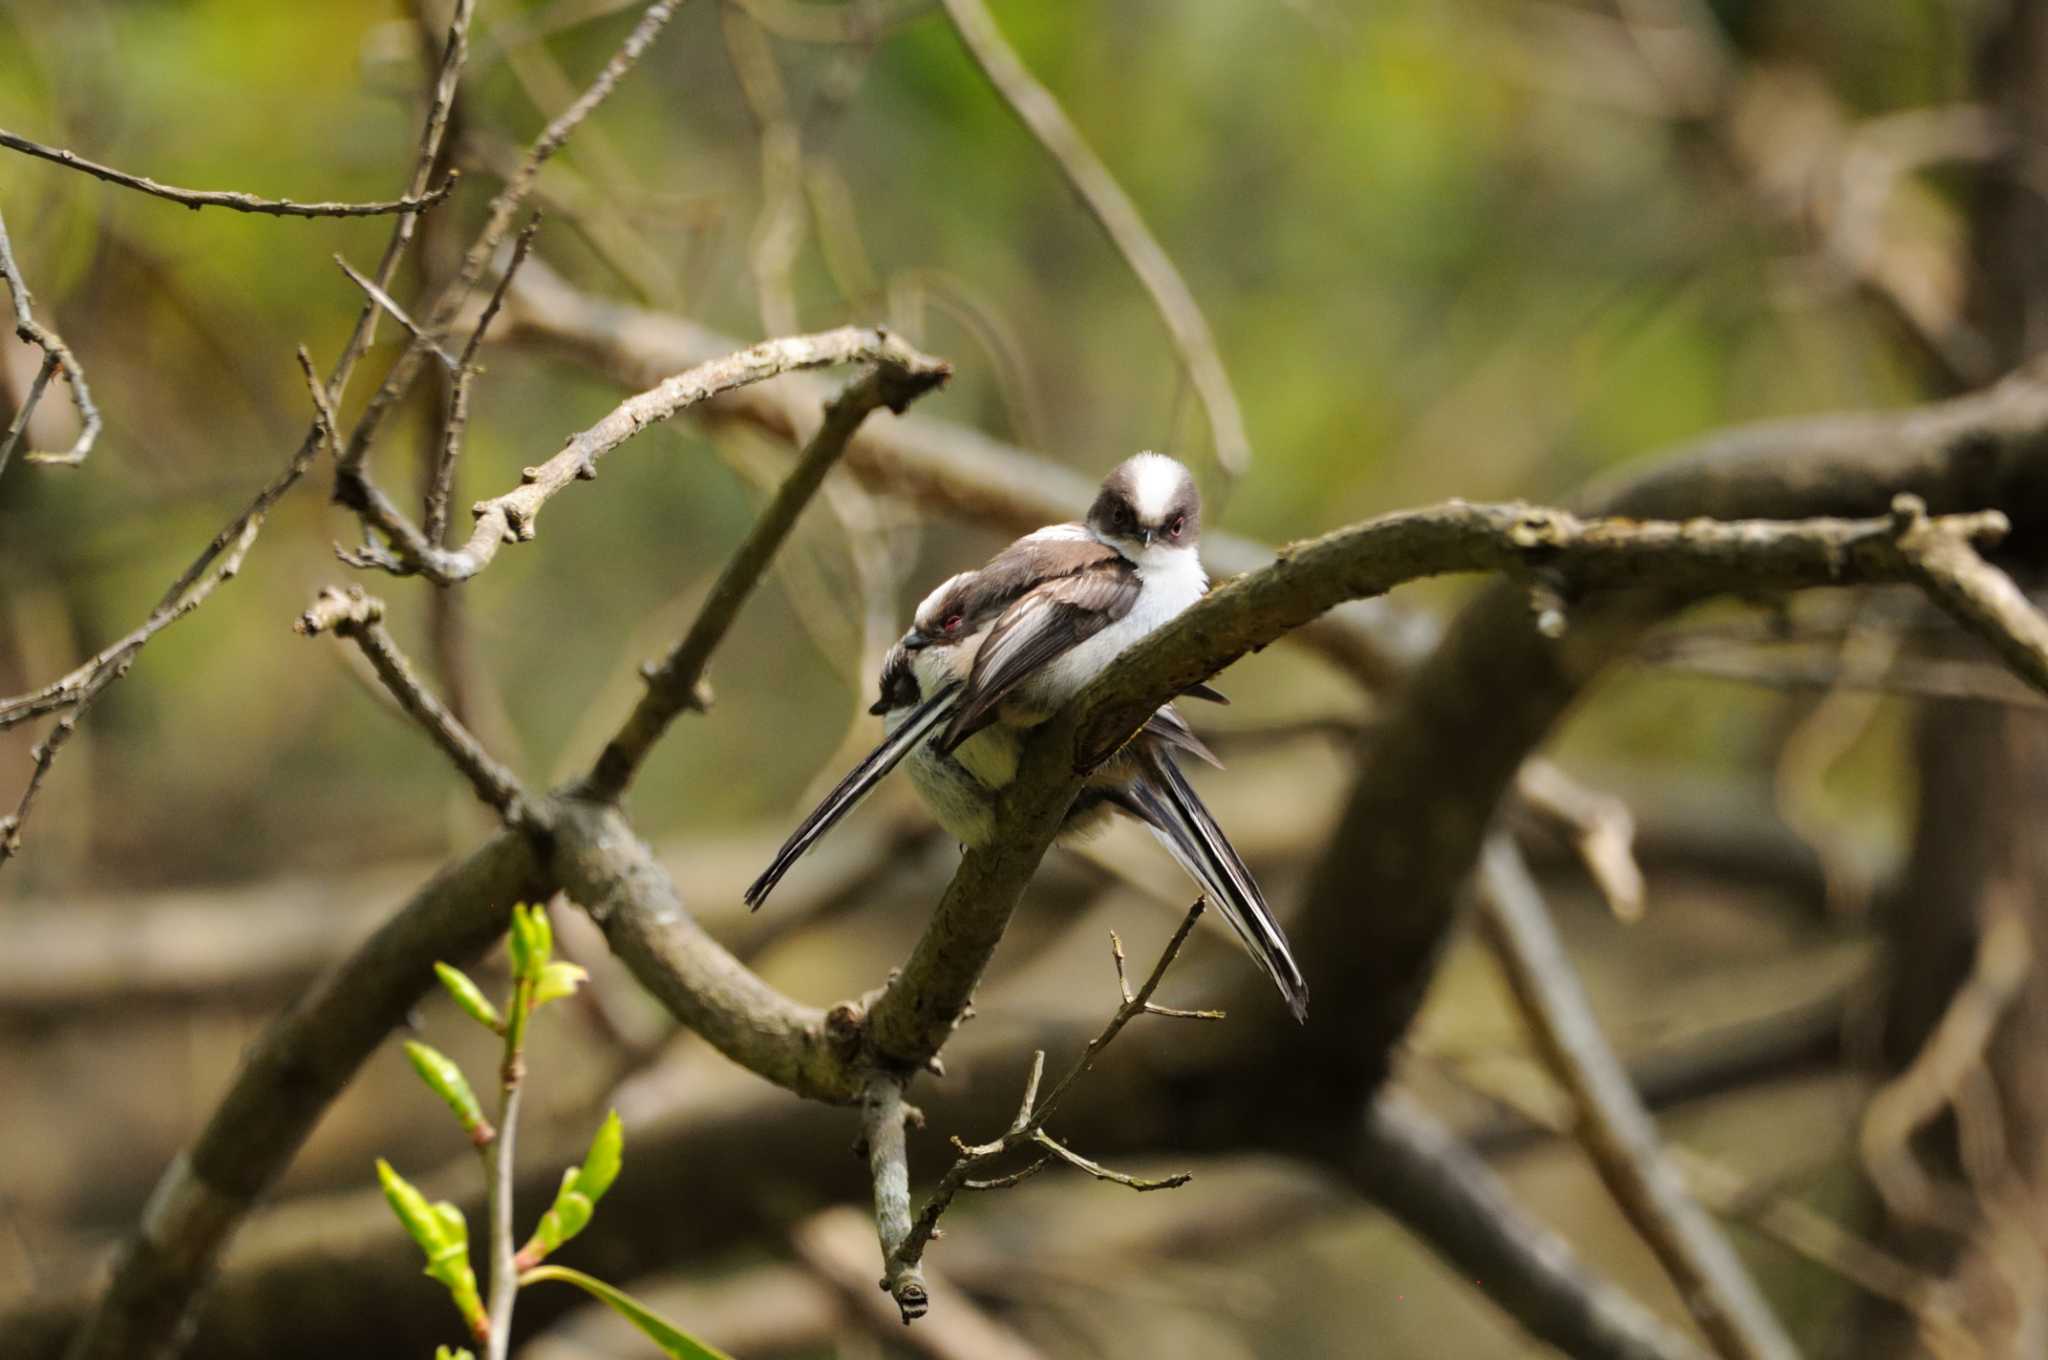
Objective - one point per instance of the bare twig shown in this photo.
(57, 356)
(904, 1242)
(1618, 1131)
(36, 386)
(1600, 827)
(510, 517)
(75, 692)
(882, 1118)
(226, 198)
(779, 229)
(1818, 1238)
(1120, 220)
(441, 481)
(433, 129)
(390, 304)
(901, 375)
(359, 617)
(1914, 677)
(839, 1248)
(498, 221)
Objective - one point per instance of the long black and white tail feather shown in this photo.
(846, 795)
(1164, 800)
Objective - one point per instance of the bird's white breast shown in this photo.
(1170, 580)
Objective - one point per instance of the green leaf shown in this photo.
(582, 1188)
(439, 1071)
(533, 941)
(450, 1265)
(470, 997)
(443, 1353)
(427, 1228)
(601, 1163)
(557, 980)
(442, 1235)
(674, 1342)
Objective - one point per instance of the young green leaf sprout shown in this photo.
(440, 1230)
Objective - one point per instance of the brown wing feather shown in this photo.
(1024, 566)
(1044, 623)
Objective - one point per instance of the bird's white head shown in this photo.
(1147, 504)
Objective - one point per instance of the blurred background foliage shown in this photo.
(1442, 254)
(1448, 248)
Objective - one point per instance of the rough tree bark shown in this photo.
(1978, 851)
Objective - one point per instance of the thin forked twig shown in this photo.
(504, 208)
(900, 376)
(442, 481)
(1619, 1133)
(226, 198)
(1120, 220)
(904, 1241)
(56, 356)
(509, 518)
(390, 304)
(74, 693)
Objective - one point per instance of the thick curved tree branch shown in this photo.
(911, 1020)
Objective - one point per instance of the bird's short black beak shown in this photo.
(916, 641)
(1144, 538)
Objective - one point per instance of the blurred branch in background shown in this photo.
(74, 694)
(57, 360)
(1617, 1130)
(1113, 210)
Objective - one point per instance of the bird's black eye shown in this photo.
(952, 623)
(1180, 522)
(1127, 517)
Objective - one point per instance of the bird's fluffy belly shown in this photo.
(960, 788)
